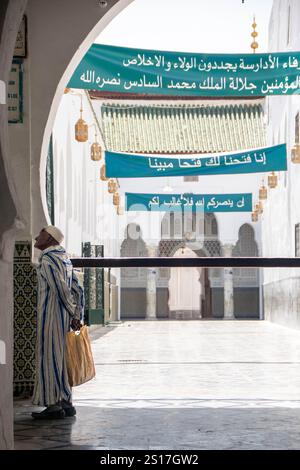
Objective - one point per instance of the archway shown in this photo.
(185, 289)
(203, 241)
(23, 188)
(133, 280)
(246, 280)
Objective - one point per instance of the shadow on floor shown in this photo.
(162, 428)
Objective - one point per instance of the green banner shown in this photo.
(189, 202)
(128, 165)
(124, 70)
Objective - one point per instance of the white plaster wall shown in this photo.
(11, 221)
(282, 210)
(84, 210)
(19, 147)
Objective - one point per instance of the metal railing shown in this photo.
(205, 262)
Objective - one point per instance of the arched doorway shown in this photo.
(246, 280)
(185, 289)
(203, 241)
(133, 280)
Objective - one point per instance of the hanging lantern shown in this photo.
(263, 193)
(120, 210)
(254, 216)
(112, 186)
(272, 180)
(81, 131)
(96, 150)
(259, 207)
(115, 186)
(116, 199)
(103, 173)
(296, 153)
(81, 127)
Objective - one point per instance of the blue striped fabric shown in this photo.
(60, 298)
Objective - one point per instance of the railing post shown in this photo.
(228, 285)
(151, 287)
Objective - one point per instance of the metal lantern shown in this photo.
(116, 199)
(254, 216)
(112, 186)
(81, 130)
(272, 180)
(120, 210)
(296, 153)
(263, 193)
(259, 207)
(81, 127)
(103, 173)
(115, 186)
(96, 152)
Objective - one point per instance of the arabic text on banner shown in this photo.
(189, 202)
(128, 165)
(125, 70)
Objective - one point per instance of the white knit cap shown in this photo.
(55, 233)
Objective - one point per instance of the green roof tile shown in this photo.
(182, 128)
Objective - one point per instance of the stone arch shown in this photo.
(175, 224)
(133, 243)
(246, 280)
(62, 61)
(185, 289)
(246, 244)
(133, 280)
(210, 225)
(206, 243)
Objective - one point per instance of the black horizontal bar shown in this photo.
(205, 262)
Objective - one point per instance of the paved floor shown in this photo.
(182, 385)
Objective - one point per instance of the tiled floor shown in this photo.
(182, 385)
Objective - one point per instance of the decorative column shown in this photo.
(151, 286)
(25, 317)
(228, 285)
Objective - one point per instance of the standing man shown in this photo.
(60, 307)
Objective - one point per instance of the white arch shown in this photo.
(56, 87)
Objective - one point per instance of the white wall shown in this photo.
(282, 210)
(84, 210)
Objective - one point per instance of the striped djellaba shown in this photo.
(60, 299)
